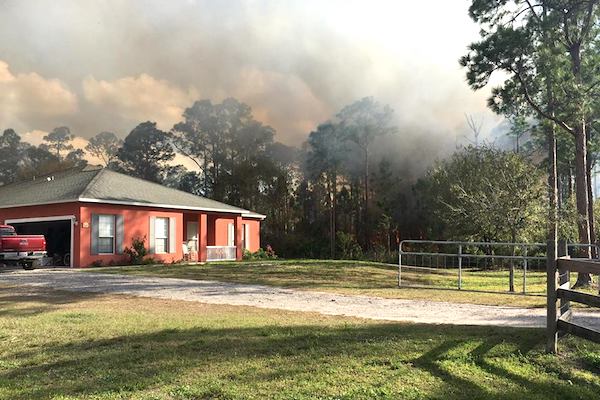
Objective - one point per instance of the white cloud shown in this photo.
(29, 99)
(140, 98)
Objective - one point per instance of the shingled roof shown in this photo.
(101, 185)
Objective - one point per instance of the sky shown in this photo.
(108, 65)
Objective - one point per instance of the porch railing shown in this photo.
(220, 253)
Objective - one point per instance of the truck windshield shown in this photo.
(7, 232)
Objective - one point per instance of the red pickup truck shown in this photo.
(24, 250)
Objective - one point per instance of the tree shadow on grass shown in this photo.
(485, 359)
(39, 300)
(234, 359)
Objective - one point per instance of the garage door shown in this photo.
(58, 232)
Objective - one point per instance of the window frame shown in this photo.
(114, 233)
(167, 237)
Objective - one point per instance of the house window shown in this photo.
(106, 234)
(161, 235)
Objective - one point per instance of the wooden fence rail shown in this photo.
(560, 296)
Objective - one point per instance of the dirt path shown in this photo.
(418, 311)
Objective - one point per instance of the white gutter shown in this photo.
(39, 219)
(254, 215)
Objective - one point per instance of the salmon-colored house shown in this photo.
(90, 215)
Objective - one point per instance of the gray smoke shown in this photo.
(295, 63)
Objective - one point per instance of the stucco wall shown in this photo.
(254, 233)
(136, 223)
(219, 236)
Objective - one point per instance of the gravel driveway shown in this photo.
(418, 311)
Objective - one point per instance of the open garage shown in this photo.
(57, 231)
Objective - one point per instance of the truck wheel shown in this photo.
(27, 265)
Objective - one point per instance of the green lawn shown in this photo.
(58, 345)
(354, 277)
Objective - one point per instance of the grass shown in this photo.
(363, 278)
(59, 345)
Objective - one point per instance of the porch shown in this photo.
(213, 237)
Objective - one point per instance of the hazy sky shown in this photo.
(108, 65)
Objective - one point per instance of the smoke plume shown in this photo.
(106, 66)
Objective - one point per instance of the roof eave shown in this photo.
(140, 204)
(169, 206)
(256, 216)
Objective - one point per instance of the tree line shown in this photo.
(333, 197)
(338, 195)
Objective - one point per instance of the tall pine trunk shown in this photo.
(552, 243)
(552, 189)
(581, 194)
(570, 185)
(581, 184)
(590, 195)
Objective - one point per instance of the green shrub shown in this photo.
(137, 251)
(260, 254)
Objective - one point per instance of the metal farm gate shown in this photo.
(452, 259)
